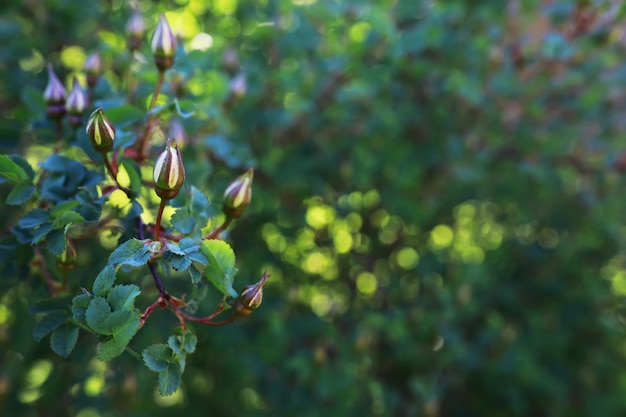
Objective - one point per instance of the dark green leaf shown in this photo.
(49, 305)
(11, 171)
(133, 253)
(24, 164)
(40, 232)
(97, 315)
(34, 218)
(110, 349)
(221, 269)
(64, 339)
(48, 323)
(189, 341)
(80, 303)
(122, 297)
(104, 281)
(182, 221)
(21, 193)
(56, 241)
(157, 357)
(123, 324)
(172, 342)
(125, 114)
(169, 379)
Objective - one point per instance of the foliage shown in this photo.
(437, 196)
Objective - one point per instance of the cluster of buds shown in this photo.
(100, 131)
(169, 172)
(238, 195)
(58, 104)
(163, 45)
(251, 297)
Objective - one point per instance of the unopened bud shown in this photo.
(66, 261)
(238, 195)
(93, 68)
(54, 95)
(177, 131)
(135, 30)
(163, 45)
(100, 131)
(251, 297)
(169, 172)
(75, 104)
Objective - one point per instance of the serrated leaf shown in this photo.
(157, 357)
(19, 160)
(97, 314)
(61, 208)
(133, 253)
(68, 217)
(169, 379)
(189, 341)
(56, 241)
(48, 323)
(124, 325)
(197, 256)
(34, 218)
(174, 248)
(182, 221)
(195, 274)
(199, 206)
(10, 170)
(179, 263)
(110, 349)
(122, 297)
(172, 342)
(221, 268)
(40, 232)
(49, 305)
(104, 281)
(80, 303)
(63, 340)
(21, 193)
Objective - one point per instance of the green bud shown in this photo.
(169, 172)
(238, 195)
(251, 297)
(54, 95)
(135, 29)
(93, 68)
(163, 45)
(100, 131)
(75, 104)
(66, 261)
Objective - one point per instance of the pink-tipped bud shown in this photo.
(100, 131)
(238, 195)
(75, 104)
(251, 297)
(177, 131)
(135, 30)
(54, 95)
(93, 68)
(163, 45)
(169, 172)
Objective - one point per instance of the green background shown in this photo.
(438, 195)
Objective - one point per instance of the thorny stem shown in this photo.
(157, 226)
(215, 233)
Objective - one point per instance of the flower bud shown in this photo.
(177, 131)
(169, 172)
(100, 131)
(66, 261)
(75, 104)
(54, 95)
(163, 45)
(238, 195)
(251, 297)
(135, 29)
(93, 68)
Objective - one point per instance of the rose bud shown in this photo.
(100, 131)
(169, 172)
(163, 45)
(75, 104)
(177, 131)
(135, 30)
(251, 297)
(238, 195)
(54, 95)
(93, 69)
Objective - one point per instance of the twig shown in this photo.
(215, 233)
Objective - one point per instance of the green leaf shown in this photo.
(133, 253)
(19, 160)
(64, 339)
(157, 357)
(63, 207)
(21, 193)
(189, 341)
(56, 241)
(125, 114)
(34, 218)
(110, 349)
(182, 221)
(97, 314)
(188, 105)
(48, 323)
(80, 303)
(173, 343)
(122, 297)
(50, 304)
(124, 325)
(10, 170)
(68, 217)
(221, 269)
(134, 173)
(169, 379)
(199, 206)
(104, 281)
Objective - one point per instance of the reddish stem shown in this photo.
(157, 226)
(215, 233)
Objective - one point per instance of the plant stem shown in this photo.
(215, 233)
(157, 281)
(157, 227)
(134, 354)
(157, 90)
(53, 286)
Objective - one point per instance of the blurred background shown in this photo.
(439, 196)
